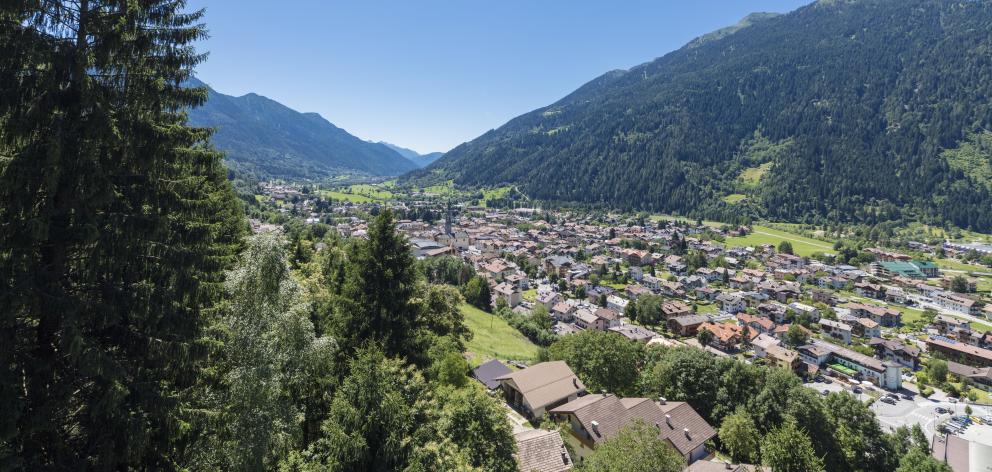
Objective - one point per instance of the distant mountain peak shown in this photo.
(264, 136)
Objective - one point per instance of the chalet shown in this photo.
(559, 265)
(563, 312)
(865, 328)
(762, 342)
(616, 303)
(949, 325)
(869, 290)
(731, 303)
(887, 317)
(674, 308)
(803, 309)
(594, 419)
(686, 325)
(836, 330)
(896, 351)
(784, 358)
(509, 293)
(979, 376)
(540, 388)
(636, 291)
(726, 337)
(756, 324)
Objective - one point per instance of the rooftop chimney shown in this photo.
(686, 431)
(668, 420)
(595, 427)
(662, 400)
(728, 466)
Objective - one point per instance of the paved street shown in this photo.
(905, 412)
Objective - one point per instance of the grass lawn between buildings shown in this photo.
(801, 245)
(493, 338)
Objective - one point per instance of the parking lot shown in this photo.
(906, 412)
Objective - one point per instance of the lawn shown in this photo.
(954, 264)
(734, 198)
(708, 309)
(348, 197)
(801, 245)
(377, 192)
(493, 338)
(529, 295)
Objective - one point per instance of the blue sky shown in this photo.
(431, 74)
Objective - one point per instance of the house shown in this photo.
(636, 291)
(563, 312)
(978, 376)
(686, 325)
(508, 292)
(488, 372)
(895, 351)
(803, 309)
(869, 290)
(541, 387)
(949, 325)
(616, 303)
(548, 299)
(761, 344)
(541, 450)
(836, 330)
(887, 317)
(960, 352)
(594, 419)
(731, 303)
(559, 265)
(726, 337)
(784, 358)
(672, 309)
(866, 328)
(586, 319)
(756, 324)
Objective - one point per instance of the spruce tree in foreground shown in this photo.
(116, 223)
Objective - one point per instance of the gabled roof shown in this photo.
(542, 451)
(489, 371)
(611, 414)
(545, 383)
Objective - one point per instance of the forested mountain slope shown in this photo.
(266, 137)
(840, 110)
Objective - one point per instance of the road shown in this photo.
(919, 410)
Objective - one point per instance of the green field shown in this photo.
(493, 338)
(954, 264)
(801, 245)
(734, 198)
(347, 197)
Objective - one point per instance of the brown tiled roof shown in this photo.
(545, 383)
(612, 414)
(542, 451)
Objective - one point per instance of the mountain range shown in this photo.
(421, 160)
(267, 138)
(843, 110)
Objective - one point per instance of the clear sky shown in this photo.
(431, 74)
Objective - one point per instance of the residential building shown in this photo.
(836, 330)
(509, 293)
(596, 418)
(540, 450)
(489, 372)
(895, 351)
(541, 387)
(686, 325)
(960, 352)
(852, 364)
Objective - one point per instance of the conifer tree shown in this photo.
(117, 222)
(376, 299)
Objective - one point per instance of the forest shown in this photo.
(838, 112)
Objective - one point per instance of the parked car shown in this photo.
(888, 400)
(825, 392)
